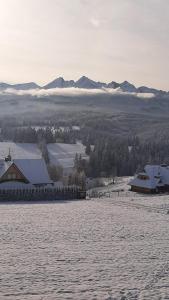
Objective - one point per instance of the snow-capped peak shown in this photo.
(86, 83)
(60, 83)
(113, 85)
(127, 87)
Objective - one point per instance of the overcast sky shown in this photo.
(103, 39)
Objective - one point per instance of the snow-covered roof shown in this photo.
(165, 174)
(34, 170)
(152, 170)
(4, 166)
(28, 159)
(158, 171)
(157, 176)
(146, 183)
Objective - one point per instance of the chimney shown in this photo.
(8, 158)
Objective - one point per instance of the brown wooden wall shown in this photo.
(13, 170)
(142, 190)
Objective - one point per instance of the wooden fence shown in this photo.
(42, 194)
(105, 194)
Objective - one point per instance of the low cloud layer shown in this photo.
(72, 92)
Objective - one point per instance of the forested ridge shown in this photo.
(116, 145)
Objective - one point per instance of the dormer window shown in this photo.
(143, 177)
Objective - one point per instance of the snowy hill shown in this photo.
(145, 89)
(64, 154)
(20, 86)
(59, 154)
(4, 85)
(19, 150)
(26, 86)
(107, 248)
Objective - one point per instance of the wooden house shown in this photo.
(28, 180)
(153, 179)
(23, 172)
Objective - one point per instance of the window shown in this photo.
(11, 176)
(143, 177)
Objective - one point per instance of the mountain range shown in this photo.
(20, 86)
(84, 83)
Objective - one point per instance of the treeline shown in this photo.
(111, 158)
(32, 135)
(122, 157)
(108, 155)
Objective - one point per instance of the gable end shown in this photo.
(13, 174)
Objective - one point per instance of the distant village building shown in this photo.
(153, 179)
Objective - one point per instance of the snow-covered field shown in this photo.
(64, 154)
(59, 153)
(19, 150)
(107, 248)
